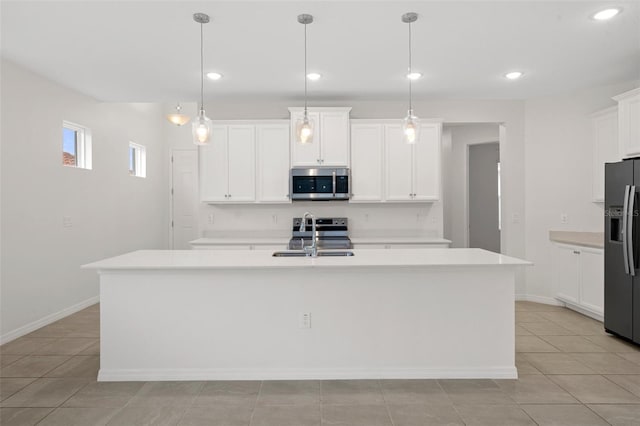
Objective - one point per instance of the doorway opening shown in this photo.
(472, 201)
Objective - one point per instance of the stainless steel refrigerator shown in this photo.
(621, 249)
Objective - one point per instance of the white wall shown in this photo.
(455, 175)
(558, 175)
(111, 212)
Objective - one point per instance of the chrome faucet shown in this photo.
(311, 250)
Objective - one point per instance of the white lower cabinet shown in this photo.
(578, 277)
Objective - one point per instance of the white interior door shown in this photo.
(184, 199)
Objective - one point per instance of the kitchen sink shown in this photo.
(303, 254)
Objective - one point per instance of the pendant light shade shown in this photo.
(178, 118)
(201, 127)
(410, 124)
(304, 126)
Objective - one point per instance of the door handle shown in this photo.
(630, 216)
(333, 177)
(625, 224)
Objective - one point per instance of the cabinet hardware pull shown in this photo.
(576, 252)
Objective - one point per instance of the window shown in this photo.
(76, 146)
(137, 160)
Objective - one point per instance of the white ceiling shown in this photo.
(143, 51)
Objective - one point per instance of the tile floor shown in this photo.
(571, 373)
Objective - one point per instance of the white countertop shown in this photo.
(398, 240)
(275, 240)
(248, 240)
(263, 259)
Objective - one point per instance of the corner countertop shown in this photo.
(585, 239)
(263, 259)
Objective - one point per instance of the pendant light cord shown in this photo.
(201, 68)
(305, 70)
(410, 104)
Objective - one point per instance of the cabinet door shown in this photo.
(334, 147)
(566, 273)
(366, 162)
(306, 154)
(426, 163)
(241, 163)
(605, 147)
(592, 279)
(213, 167)
(629, 123)
(273, 163)
(399, 156)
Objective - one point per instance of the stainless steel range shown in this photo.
(332, 233)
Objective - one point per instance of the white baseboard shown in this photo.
(106, 375)
(596, 315)
(26, 329)
(539, 299)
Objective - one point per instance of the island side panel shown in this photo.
(376, 322)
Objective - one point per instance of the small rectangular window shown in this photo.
(76, 146)
(137, 160)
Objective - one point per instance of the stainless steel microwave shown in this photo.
(319, 183)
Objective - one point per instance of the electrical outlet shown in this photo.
(211, 219)
(66, 222)
(515, 218)
(274, 218)
(305, 320)
(564, 218)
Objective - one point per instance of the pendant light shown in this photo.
(304, 126)
(410, 124)
(202, 124)
(178, 118)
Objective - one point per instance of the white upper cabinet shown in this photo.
(273, 162)
(330, 146)
(413, 170)
(213, 167)
(241, 154)
(629, 123)
(228, 164)
(604, 131)
(385, 168)
(399, 167)
(367, 150)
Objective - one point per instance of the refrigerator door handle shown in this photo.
(630, 216)
(625, 224)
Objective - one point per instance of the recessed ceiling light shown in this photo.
(314, 76)
(514, 75)
(214, 75)
(603, 15)
(414, 75)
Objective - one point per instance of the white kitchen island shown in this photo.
(240, 315)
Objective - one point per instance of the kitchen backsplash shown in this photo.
(424, 219)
